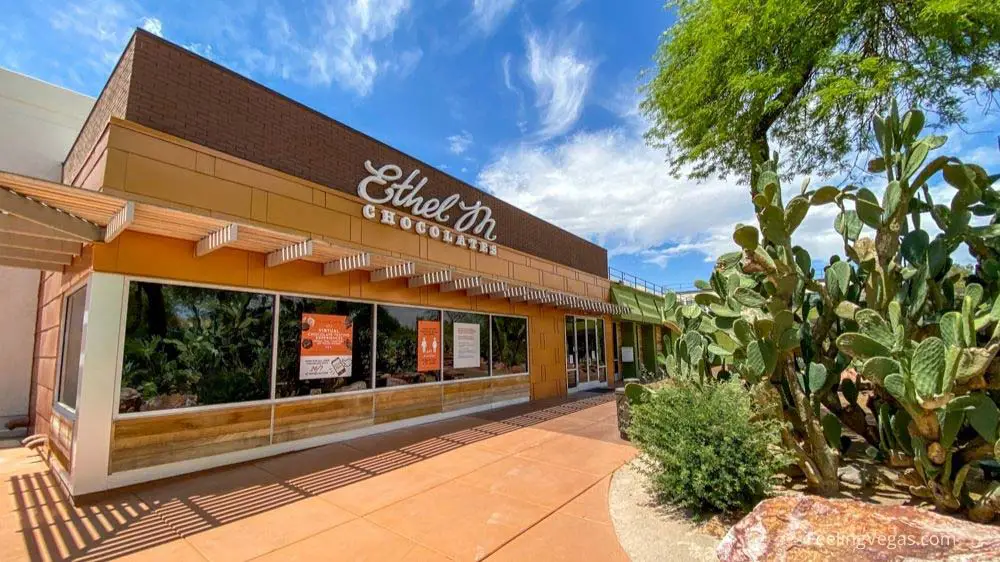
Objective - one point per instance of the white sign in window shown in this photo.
(467, 353)
(628, 355)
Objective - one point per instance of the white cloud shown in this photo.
(104, 25)
(152, 25)
(560, 77)
(347, 43)
(566, 6)
(609, 186)
(487, 14)
(458, 144)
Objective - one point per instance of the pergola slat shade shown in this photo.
(30, 264)
(461, 284)
(44, 225)
(433, 278)
(293, 252)
(221, 238)
(39, 213)
(36, 255)
(405, 269)
(348, 263)
(23, 242)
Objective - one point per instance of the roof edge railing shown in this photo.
(638, 283)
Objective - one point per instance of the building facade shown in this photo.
(244, 277)
(40, 123)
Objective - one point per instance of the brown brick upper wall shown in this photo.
(179, 93)
(111, 103)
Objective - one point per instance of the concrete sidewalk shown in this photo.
(524, 483)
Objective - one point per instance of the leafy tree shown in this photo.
(735, 77)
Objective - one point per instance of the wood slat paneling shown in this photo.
(143, 442)
(509, 388)
(394, 405)
(312, 418)
(61, 438)
(466, 394)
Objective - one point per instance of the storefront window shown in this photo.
(69, 375)
(191, 346)
(323, 346)
(408, 346)
(466, 345)
(510, 345)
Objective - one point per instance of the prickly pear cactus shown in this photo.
(894, 313)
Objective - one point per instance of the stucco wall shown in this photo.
(40, 122)
(18, 297)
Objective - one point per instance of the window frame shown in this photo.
(440, 370)
(276, 329)
(62, 408)
(273, 401)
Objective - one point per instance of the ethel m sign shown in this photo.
(476, 218)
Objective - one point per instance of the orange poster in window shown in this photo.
(428, 345)
(325, 347)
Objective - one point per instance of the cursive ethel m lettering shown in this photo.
(476, 218)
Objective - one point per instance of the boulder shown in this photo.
(865, 476)
(129, 400)
(169, 402)
(810, 528)
(358, 385)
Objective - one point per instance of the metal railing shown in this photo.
(641, 284)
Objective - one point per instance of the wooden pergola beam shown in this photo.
(348, 263)
(528, 295)
(290, 253)
(30, 264)
(396, 271)
(121, 221)
(11, 224)
(39, 213)
(461, 284)
(23, 242)
(509, 293)
(225, 236)
(36, 255)
(432, 278)
(487, 288)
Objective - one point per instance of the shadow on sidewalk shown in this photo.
(135, 519)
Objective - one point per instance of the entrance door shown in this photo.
(572, 366)
(586, 366)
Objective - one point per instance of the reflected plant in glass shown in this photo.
(191, 346)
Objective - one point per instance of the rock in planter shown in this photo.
(624, 416)
(624, 396)
(859, 476)
(809, 528)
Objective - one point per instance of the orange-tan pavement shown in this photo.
(528, 482)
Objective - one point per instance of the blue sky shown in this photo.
(532, 100)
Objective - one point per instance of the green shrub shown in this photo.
(711, 450)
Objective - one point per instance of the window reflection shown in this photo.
(510, 345)
(397, 346)
(345, 367)
(472, 333)
(191, 346)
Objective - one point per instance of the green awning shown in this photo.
(626, 297)
(650, 313)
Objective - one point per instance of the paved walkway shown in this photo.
(524, 483)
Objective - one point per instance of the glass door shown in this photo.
(582, 362)
(572, 365)
(602, 367)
